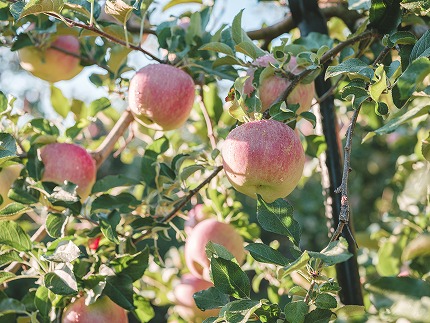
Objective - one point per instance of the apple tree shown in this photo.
(216, 173)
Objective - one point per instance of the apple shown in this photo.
(8, 175)
(102, 311)
(161, 96)
(263, 157)
(50, 64)
(271, 87)
(186, 306)
(195, 216)
(217, 232)
(69, 162)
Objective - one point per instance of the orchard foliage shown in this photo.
(123, 238)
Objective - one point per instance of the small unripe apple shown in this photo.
(161, 96)
(51, 64)
(102, 311)
(263, 157)
(69, 162)
(272, 86)
(195, 216)
(186, 306)
(8, 175)
(217, 232)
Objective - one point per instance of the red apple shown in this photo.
(69, 162)
(186, 306)
(272, 86)
(263, 157)
(195, 216)
(50, 64)
(161, 96)
(102, 311)
(217, 232)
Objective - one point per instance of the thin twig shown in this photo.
(105, 148)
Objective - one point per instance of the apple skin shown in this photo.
(52, 65)
(102, 311)
(272, 86)
(195, 216)
(186, 306)
(162, 95)
(217, 232)
(69, 162)
(263, 157)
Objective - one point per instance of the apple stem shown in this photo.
(92, 13)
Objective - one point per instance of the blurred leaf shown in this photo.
(359, 4)
(108, 224)
(229, 278)
(144, 310)
(336, 252)
(42, 301)
(296, 311)
(99, 105)
(316, 145)
(266, 254)
(16, 9)
(277, 217)
(13, 236)
(61, 281)
(59, 102)
(44, 126)
(11, 305)
(318, 315)
(3, 102)
(210, 298)
(353, 67)
(418, 247)
(426, 148)
(421, 48)
(385, 16)
(218, 47)
(314, 41)
(389, 255)
(173, 3)
(120, 290)
(404, 297)
(110, 181)
(6, 276)
(212, 102)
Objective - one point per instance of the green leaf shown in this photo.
(9, 256)
(353, 67)
(236, 28)
(34, 7)
(425, 149)
(210, 298)
(173, 3)
(213, 102)
(7, 147)
(119, 10)
(42, 301)
(359, 4)
(124, 202)
(13, 209)
(295, 311)
(229, 278)
(318, 315)
(44, 127)
(132, 265)
(6, 276)
(421, 48)
(16, 9)
(214, 249)
(62, 280)
(99, 105)
(3, 102)
(144, 310)
(354, 93)
(389, 255)
(402, 38)
(226, 60)
(120, 290)
(315, 145)
(325, 301)
(13, 236)
(111, 181)
(309, 116)
(108, 224)
(55, 224)
(380, 84)
(266, 254)
(402, 117)
(66, 251)
(11, 305)
(413, 76)
(404, 297)
(277, 217)
(300, 263)
(218, 47)
(59, 102)
(336, 252)
(240, 311)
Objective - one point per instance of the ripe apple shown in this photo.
(263, 157)
(69, 162)
(186, 306)
(195, 216)
(50, 64)
(272, 86)
(217, 232)
(102, 311)
(161, 96)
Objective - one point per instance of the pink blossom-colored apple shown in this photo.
(161, 96)
(217, 232)
(69, 162)
(195, 216)
(186, 306)
(102, 311)
(271, 87)
(51, 64)
(263, 157)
